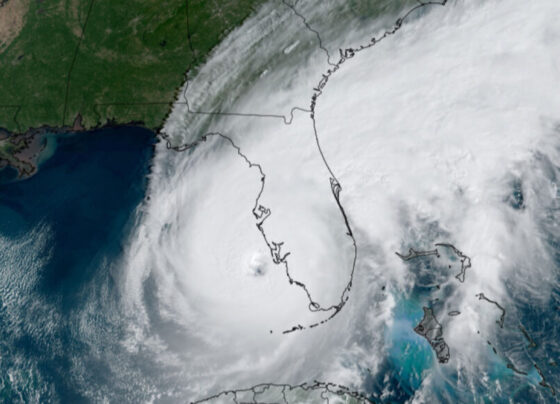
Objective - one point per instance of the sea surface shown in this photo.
(58, 231)
(63, 330)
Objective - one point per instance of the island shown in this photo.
(432, 331)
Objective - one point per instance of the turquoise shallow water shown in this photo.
(409, 352)
(62, 233)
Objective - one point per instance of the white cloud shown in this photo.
(428, 126)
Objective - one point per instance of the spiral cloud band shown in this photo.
(304, 154)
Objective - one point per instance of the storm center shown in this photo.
(257, 264)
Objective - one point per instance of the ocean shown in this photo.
(65, 335)
(59, 230)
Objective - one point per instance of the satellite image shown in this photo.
(280, 201)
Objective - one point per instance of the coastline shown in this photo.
(23, 153)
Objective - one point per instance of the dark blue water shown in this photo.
(85, 195)
(61, 328)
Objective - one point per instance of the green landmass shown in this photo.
(20, 152)
(109, 61)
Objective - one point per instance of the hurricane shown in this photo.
(340, 206)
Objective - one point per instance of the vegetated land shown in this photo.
(110, 61)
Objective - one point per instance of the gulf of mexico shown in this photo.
(86, 195)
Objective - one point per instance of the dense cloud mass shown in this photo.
(428, 133)
(433, 134)
(292, 168)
